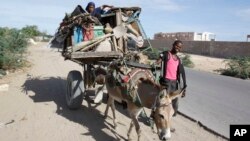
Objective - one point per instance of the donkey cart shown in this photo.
(112, 50)
(95, 42)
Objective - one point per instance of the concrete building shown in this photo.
(185, 36)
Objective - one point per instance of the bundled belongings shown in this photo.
(110, 35)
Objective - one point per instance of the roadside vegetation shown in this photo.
(186, 61)
(153, 54)
(237, 67)
(13, 46)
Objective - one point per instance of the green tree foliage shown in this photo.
(152, 54)
(186, 61)
(237, 67)
(13, 45)
(31, 31)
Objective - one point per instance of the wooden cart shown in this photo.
(95, 63)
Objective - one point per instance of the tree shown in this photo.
(30, 31)
(13, 45)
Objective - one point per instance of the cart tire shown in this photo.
(75, 90)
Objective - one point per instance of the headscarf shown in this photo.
(90, 4)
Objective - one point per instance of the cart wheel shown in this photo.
(75, 90)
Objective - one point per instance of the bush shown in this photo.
(237, 67)
(2, 73)
(31, 31)
(13, 45)
(152, 54)
(186, 61)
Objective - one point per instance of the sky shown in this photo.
(228, 19)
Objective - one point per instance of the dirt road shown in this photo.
(34, 108)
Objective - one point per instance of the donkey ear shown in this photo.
(175, 94)
(163, 93)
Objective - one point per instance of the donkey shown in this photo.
(141, 85)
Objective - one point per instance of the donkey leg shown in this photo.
(134, 112)
(137, 127)
(113, 110)
(130, 129)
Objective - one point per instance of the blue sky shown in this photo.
(228, 19)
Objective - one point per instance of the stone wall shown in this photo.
(220, 49)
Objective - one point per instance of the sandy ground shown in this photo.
(34, 108)
(208, 64)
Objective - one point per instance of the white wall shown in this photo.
(205, 36)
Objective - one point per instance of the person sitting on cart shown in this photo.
(90, 8)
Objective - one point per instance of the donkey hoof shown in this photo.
(172, 129)
(153, 131)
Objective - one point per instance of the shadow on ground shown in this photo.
(54, 89)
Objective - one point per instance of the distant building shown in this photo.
(185, 36)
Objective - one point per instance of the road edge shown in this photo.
(203, 126)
